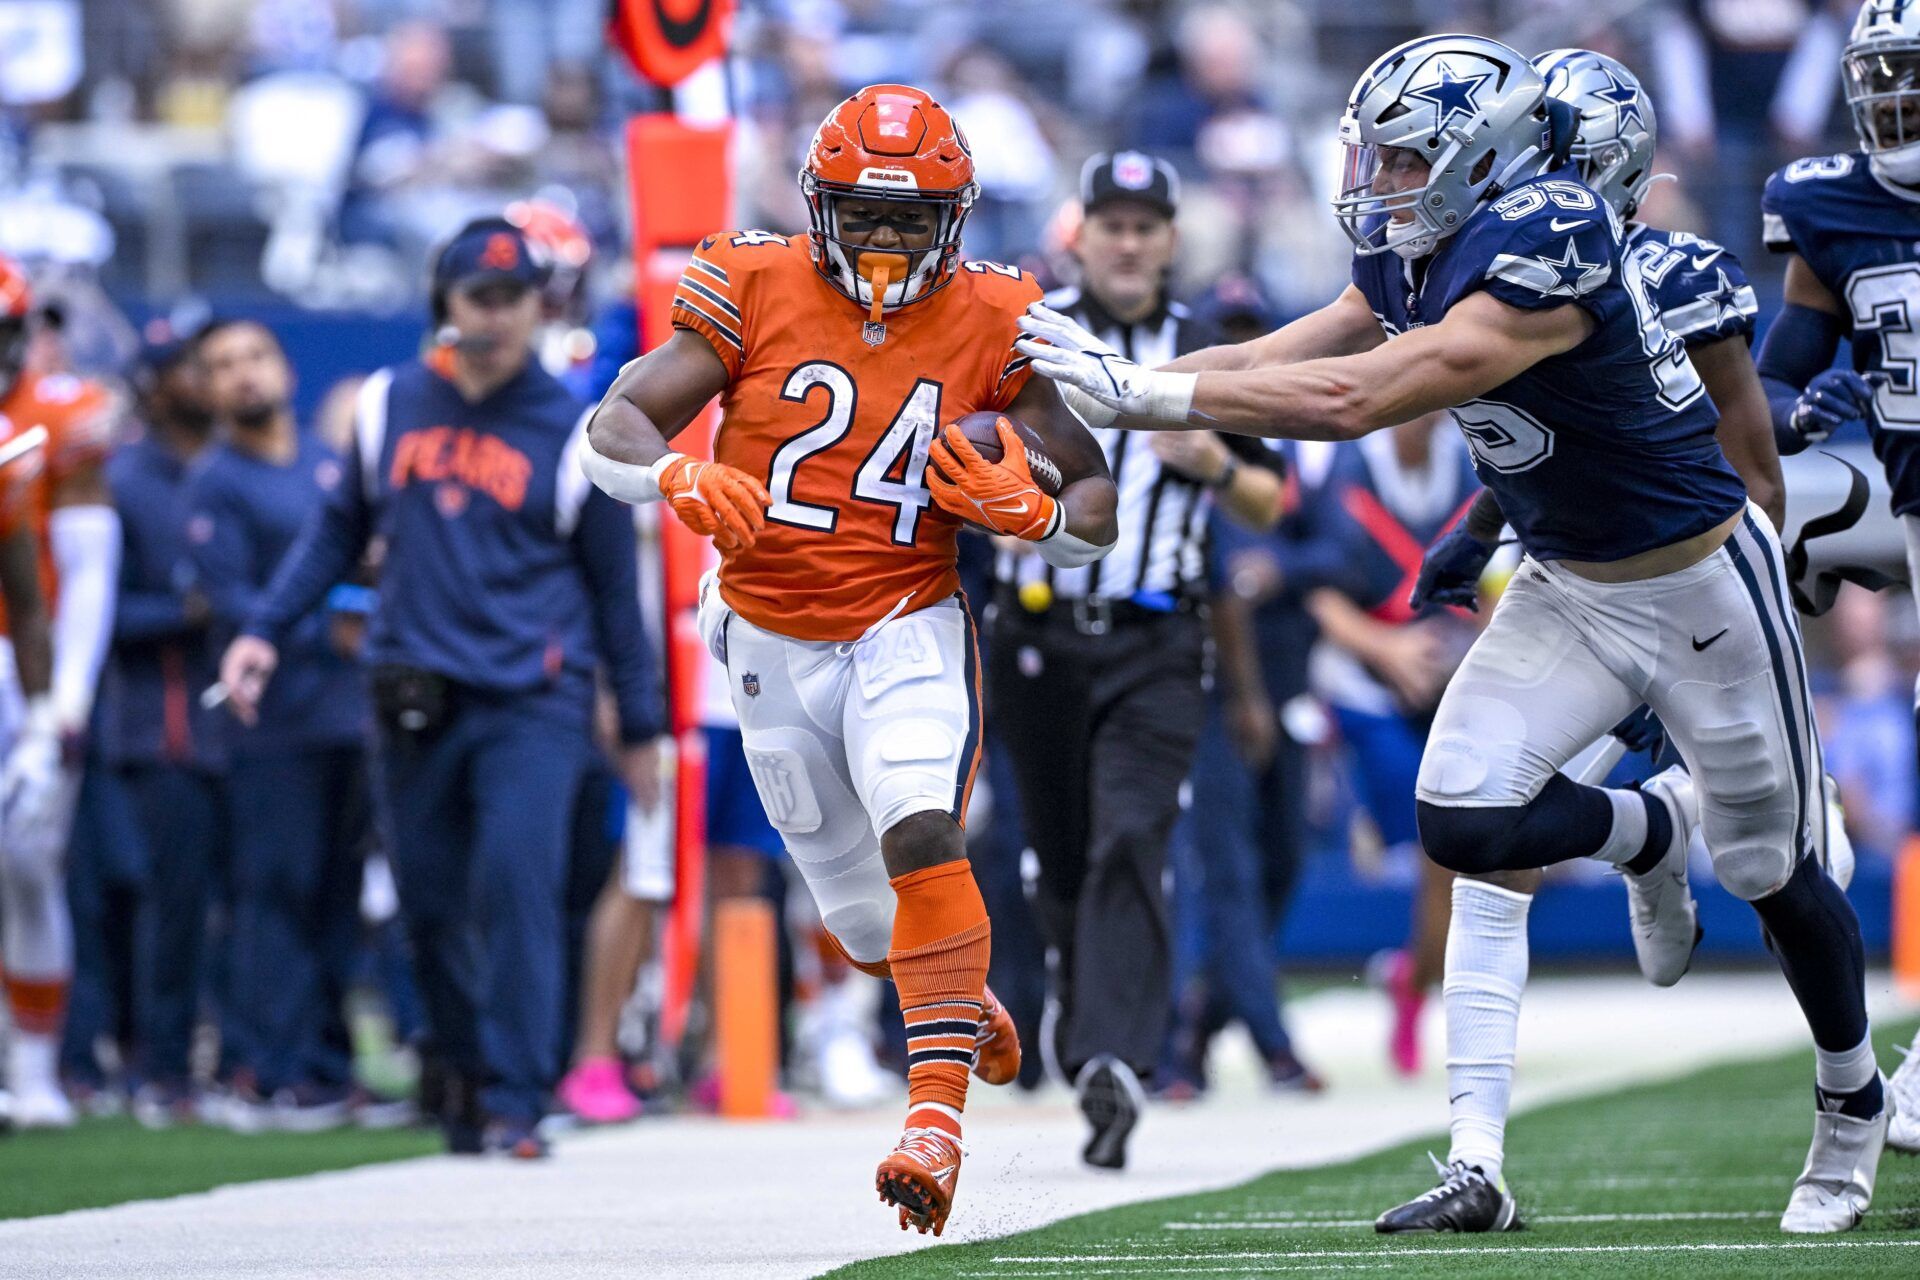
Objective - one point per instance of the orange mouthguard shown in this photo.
(878, 270)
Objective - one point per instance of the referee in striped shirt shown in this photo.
(1095, 673)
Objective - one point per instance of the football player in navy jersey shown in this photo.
(1491, 283)
(1850, 225)
(1702, 295)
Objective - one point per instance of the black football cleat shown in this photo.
(1111, 1099)
(1466, 1201)
(452, 1100)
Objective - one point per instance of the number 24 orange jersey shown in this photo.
(837, 427)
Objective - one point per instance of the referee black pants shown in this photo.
(1102, 730)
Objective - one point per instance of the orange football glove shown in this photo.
(1000, 495)
(715, 499)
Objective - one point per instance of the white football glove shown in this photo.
(37, 793)
(1098, 382)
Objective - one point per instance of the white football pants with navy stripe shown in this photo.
(1714, 649)
(844, 740)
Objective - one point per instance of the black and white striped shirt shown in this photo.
(1162, 514)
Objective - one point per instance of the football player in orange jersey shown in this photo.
(836, 611)
(66, 508)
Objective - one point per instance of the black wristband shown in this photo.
(1227, 473)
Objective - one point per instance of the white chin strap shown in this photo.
(899, 292)
(1898, 164)
(1416, 248)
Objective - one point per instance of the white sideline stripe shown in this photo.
(1481, 1256)
(1473, 1255)
(1308, 1224)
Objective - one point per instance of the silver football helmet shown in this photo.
(1881, 68)
(1471, 109)
(1613, 144)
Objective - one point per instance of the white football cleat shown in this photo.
(1839, 845)
(1834, 1190)
(1903, 1100)
(38, 1100)
(41, 1106)
(1666, 926)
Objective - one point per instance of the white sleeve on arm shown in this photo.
(1064, 551)
(627, 481)
(86, 555)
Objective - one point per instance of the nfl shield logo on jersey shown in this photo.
(750, 684)
(874, 331)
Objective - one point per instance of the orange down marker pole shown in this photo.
(1906, 919)
(746, 1007)
(682, 190)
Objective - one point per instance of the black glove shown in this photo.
(1450, 571)
(1642, 731)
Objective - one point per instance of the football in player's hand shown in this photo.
(982, 431)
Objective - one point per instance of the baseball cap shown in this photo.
(1129, 175)
(1236, 300)
(484, 250)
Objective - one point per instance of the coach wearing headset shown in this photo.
(507, 582)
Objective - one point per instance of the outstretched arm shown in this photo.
(1111, 390)
(1343, 327)
(1481, 344)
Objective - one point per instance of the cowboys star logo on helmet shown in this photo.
(1453, 95)
(1471, 108)
(1623, 94)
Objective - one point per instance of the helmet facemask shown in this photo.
(855, 269)
(1605, 168)
(1883, 91)
(1362, 213)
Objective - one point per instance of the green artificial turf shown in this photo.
(102, 1162)
(1685, 1178)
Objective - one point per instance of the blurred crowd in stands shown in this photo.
(313, 149)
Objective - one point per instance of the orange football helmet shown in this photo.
(888, 142)
(562, 244)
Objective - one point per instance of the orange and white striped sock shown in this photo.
(941, 944)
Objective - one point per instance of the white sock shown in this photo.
(1486, 971)
(32, 1061)
(1628, 834)
(1846, 1071)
